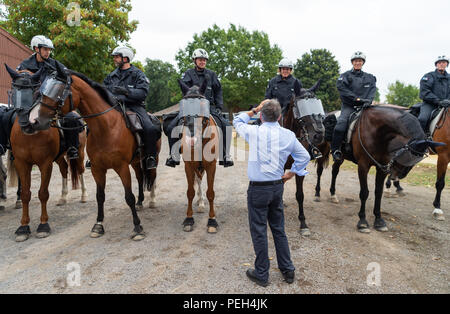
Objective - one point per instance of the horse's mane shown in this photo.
(409, 126)
(99, 88)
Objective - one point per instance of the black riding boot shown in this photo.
(338, 138)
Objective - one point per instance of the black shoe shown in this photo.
(227, 162)
(289, 276)
(151, 163)
(72, 153)
(337, 155)
(252, 277)
(170, 162)
(88, 164)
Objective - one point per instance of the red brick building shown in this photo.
(12, 52)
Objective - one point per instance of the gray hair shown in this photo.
(271, 111)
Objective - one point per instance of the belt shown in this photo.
(266, 183)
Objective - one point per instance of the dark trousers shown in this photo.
(265, 204)
(341, 126)
(425, 114)
(222, 123)
(151, 134)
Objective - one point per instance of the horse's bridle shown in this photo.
(398, 152)
(61, 99)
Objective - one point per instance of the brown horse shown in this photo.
(389, 139)
(441, 134)
(110, 145)
(42, 149)
(200, 150)
(309, 129)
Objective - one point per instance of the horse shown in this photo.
(389, 139)
(304, 116)
(200, 151)
(42, 149)
(3, 176)
(110, 143)
(441, 134)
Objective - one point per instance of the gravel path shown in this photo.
(413, 256)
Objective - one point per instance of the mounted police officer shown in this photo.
(42, 47)
(130, 86)
(355, 88)
(196, 76)
(434, 91)
(281, 87)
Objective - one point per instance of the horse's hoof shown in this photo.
(438, 214)
(138, 234)
(18, 205)
(212, 230)
(382, 229)
(334, 199)
(401, 193)
(84, 199)
(43, 231)
(305, 232)
(152, 205)
(97, 231)
(2, 208)
(388, 194)
(364, 230)
(61, 202)
(23, 233)
(139, 207)
(188, 228)
(317, 199)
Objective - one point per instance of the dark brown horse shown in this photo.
(42, 149)
(442, 135)
(200, 150)
(304, 117)
(110, 145)
(389, 139)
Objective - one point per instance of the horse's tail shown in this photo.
(325, 159)
(149, 178)
(12, 172)
(74, 173)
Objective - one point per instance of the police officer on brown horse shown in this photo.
(356, 88)
(434, 91)
(196, 76)
(41, 60)
(130, 86)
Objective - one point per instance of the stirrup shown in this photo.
(72, 153)
(170, 162)
(151, 163)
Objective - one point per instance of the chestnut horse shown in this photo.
(309, 129)
(110, 145)
(441, 134)
(42, 149)
(200, 151)
(389, 139)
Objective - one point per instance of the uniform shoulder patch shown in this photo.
(425, 78)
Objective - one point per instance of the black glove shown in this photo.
(119, 90)
(445, 103)
(121, 98)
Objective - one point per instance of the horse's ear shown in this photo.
(183, 86)
(202, 90)
(11, 72)
(297, 88)
(316, 86)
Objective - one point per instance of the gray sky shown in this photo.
(400, 38)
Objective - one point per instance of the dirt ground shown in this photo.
(413, 257)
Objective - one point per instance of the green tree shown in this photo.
(244, 62)
(377, 95)
(401, 94)
(320, 64)
(86, 45)
(163, 85)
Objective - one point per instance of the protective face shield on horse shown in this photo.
(194, 113)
